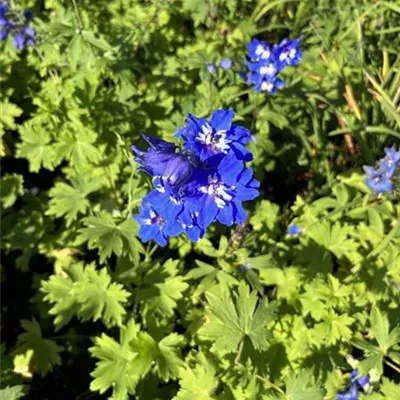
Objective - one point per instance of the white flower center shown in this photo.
(268, 69)
(262, 52)
(268, 86)
(215, 141)
(218, 191)
(154, 219)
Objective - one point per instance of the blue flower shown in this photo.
(266, 64)
(259, 50)
(390, 162)
(226, 63)
(161, 160)
(4, 30)
(294, 230)
(379, 179)
(28, 14)
(3, 9)
(211, 68)
(362, 380)
(351, 394)
(155, 226)
(206, 182)
(219, 193)
(270, 86)
(288, 52)
(215, 137)
(23, 35)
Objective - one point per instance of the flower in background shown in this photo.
(226, 63)
(294, 230)
(23, 35)
(211, 68)
(206, 182)
(380, 178)
(267, 62)
(288, 52)
(353, 393)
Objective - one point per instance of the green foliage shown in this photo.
(247, 312)
(12, 393)
(231, 322)
(89, 294)
(45, 351)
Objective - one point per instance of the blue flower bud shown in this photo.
(226, 63)
(178, 170)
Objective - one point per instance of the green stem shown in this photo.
(386, 241)
(270, 384)
(392, 365)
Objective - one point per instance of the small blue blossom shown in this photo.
(294, 230)
(215, 137)
(380, 179)
(226, 63)
(155, 226)
(206, 182)
(288, 52)
(265, 63)
(258, 50)
(352, 393)
(211, 68)
(23, 35)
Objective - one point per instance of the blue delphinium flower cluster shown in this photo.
(352, 393)
(266, 62)
(10, 25)
(380, 178)
(206, 181)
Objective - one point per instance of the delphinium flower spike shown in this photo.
(9, 25)
(205, 182)
(380, 178)
(266, 62)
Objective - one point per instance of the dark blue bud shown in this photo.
(158, 144)
(178, 170)
(28, 14)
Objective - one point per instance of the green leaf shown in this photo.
(230, 322)
(380, 330)
(9, 112)
(197, 383)
(161, 288)
(265, 216)
(76, 144)
(36, 147)
(122, 364)
(45, 351)
(69, 201)
(300, 388)
(104, 233)
(11, 188)
(12, 393)
(169, 362)
(86, 293)
(116, 368)
(334, 328)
